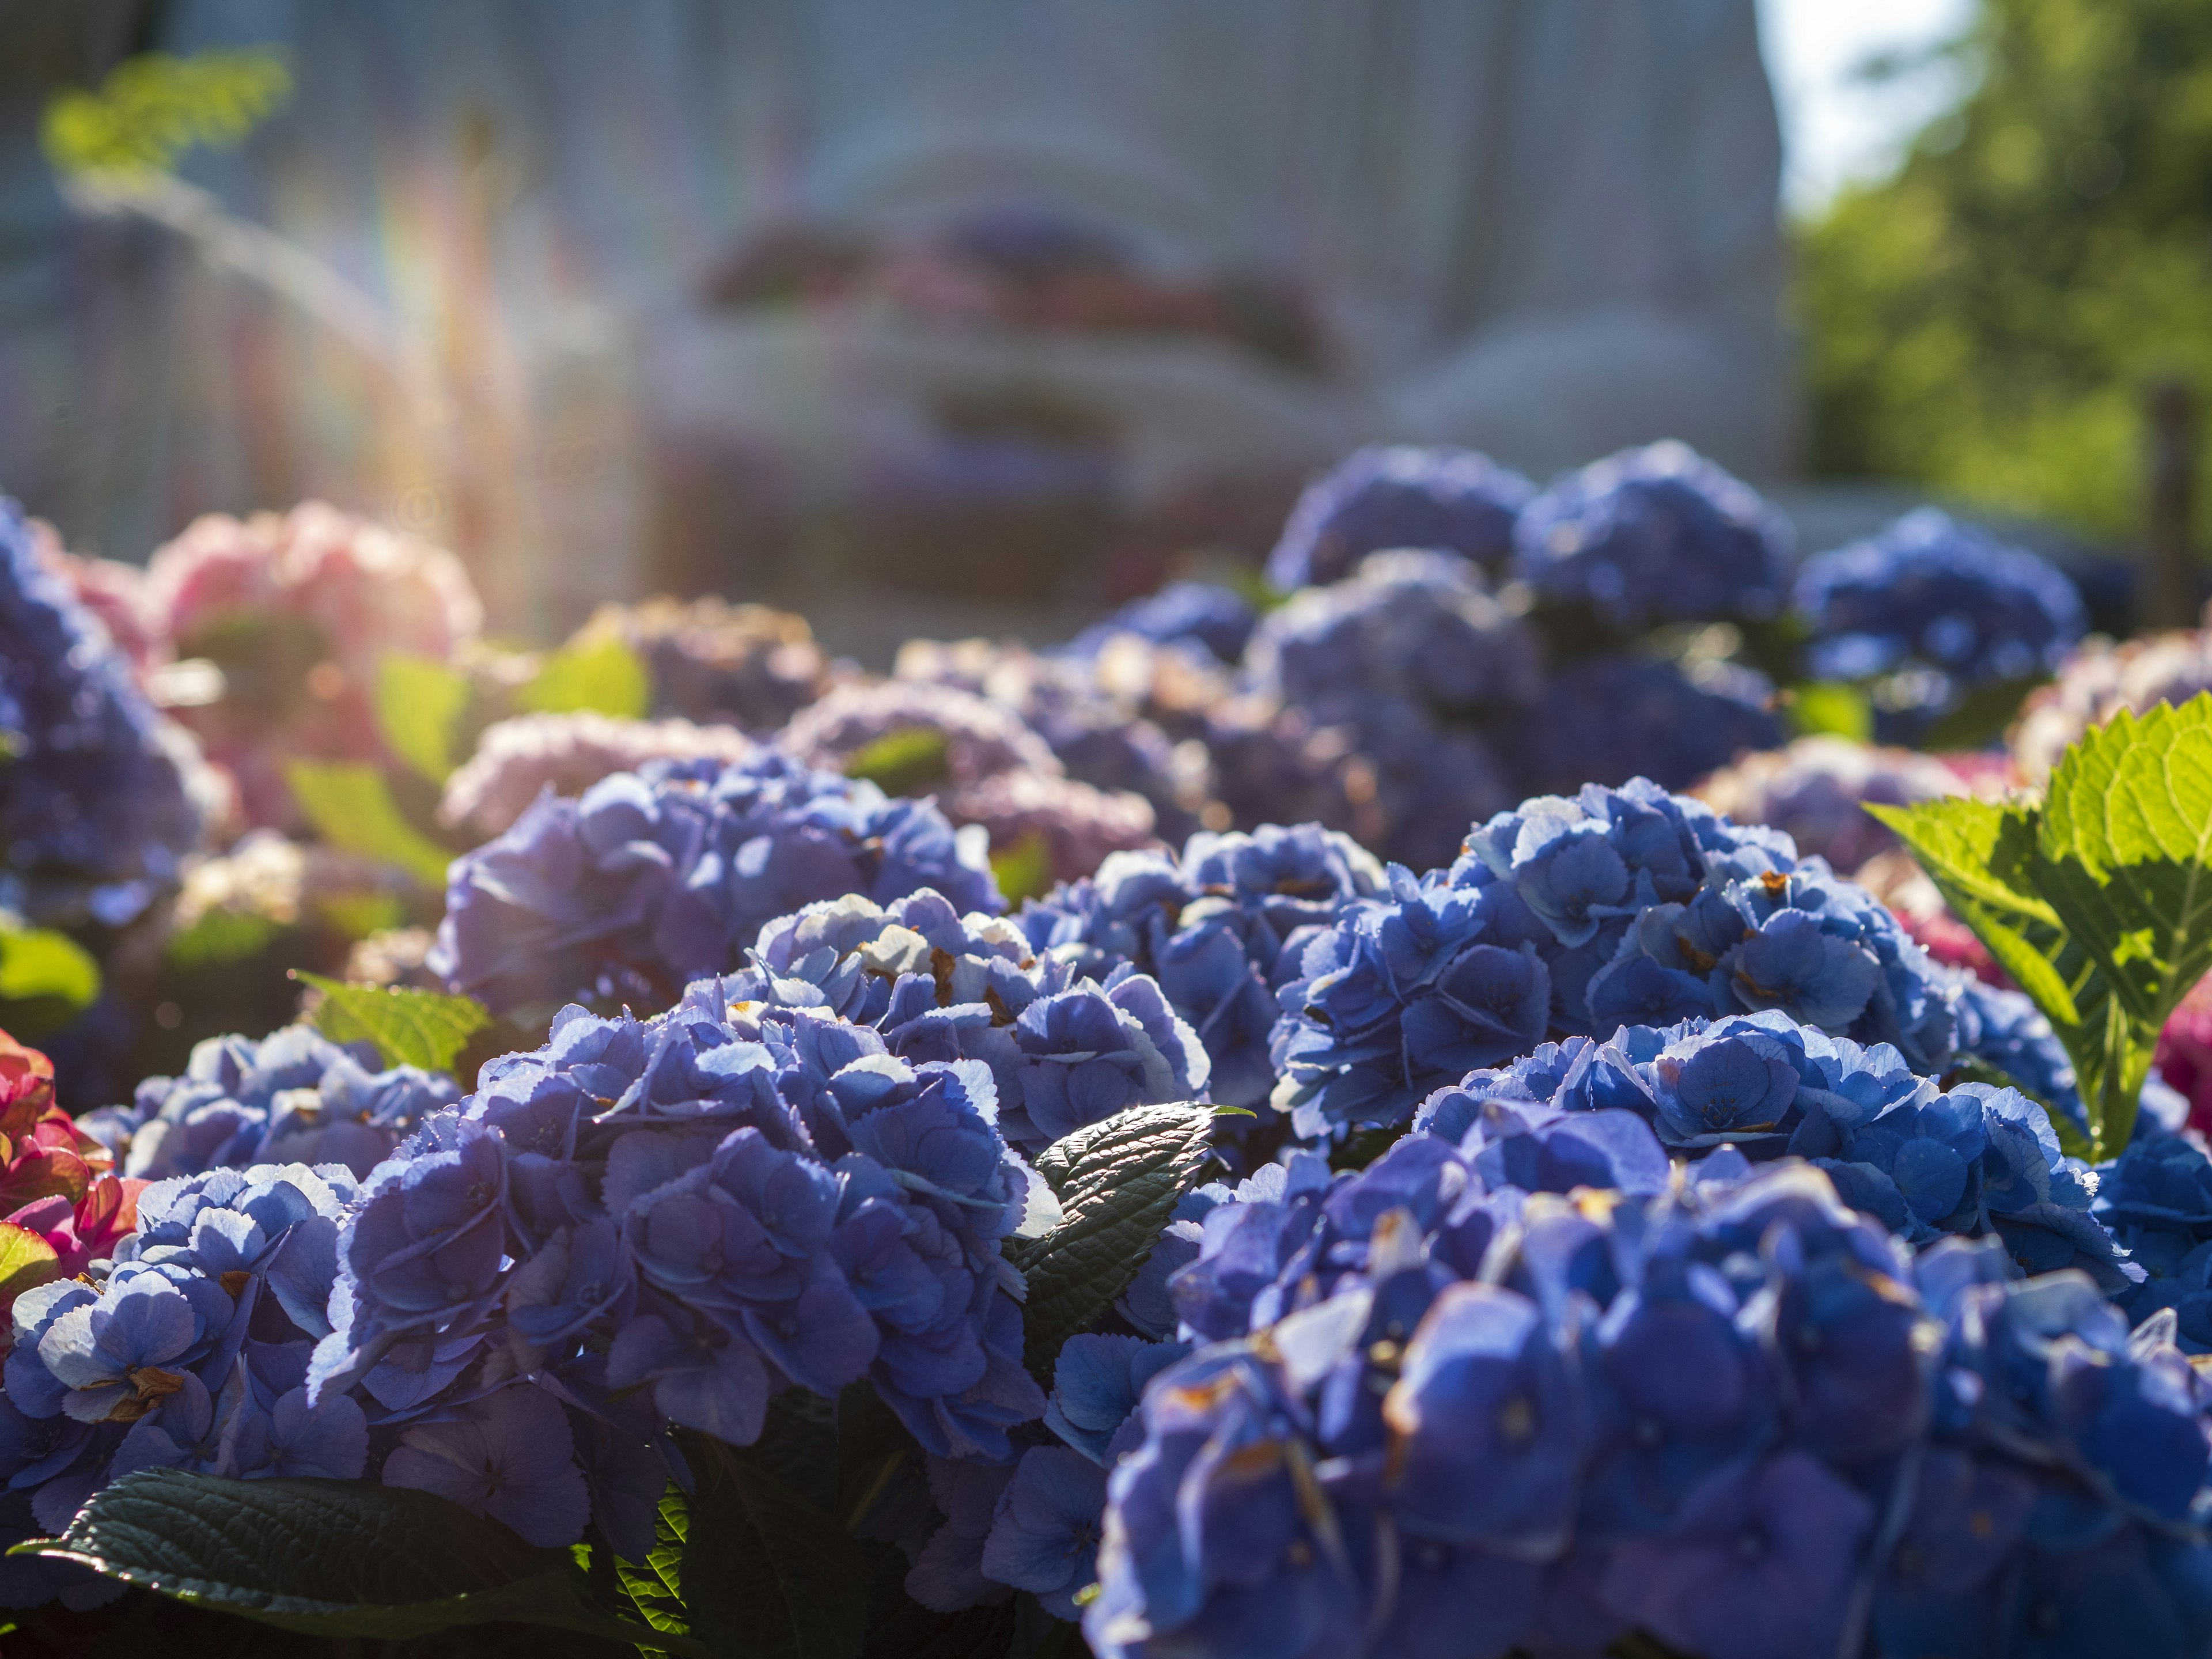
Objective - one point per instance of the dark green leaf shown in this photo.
(408, 1027)
(1118, 1182)
(872, 1445)
(602, 676)
(327, 1558)
(350, 805)
(419, 705)
(908, 761)
(766, 1575)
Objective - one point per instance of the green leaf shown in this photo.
(1982, 858)
(1118, 1182)
(602, 676)
(2124, 839)
(350, 805)
(1024, 870)
(655, 1585)
(27, 1260)
(1832, 706)
(328, 1557)
(221, 935)
(50, 973)
(419, 705)
(766, 1574)
(908, 761)
(408, 1027)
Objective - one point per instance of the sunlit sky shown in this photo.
(1836, 132)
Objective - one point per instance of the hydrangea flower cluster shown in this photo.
(1454, 1400)
(720, 664)
(1654, 535)
(1931, 591)
(676, 1219)
(293, 1097)
(1811, 791)
(1065, 1048)
(1215, 619)
(1446, 500)
(1973, 1161)
(518, 760)
(99, 805)
(1614, 716)
(1625, 906)
(299, 610)
(982, 765)
(188, 1349)
(1220, 928)
(112, 590)
(2097, 680)
(1410, 653)
(1108, 717)
(653, 878)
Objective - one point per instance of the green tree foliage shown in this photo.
(153, 108)
(1984, 323)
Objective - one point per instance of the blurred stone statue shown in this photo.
(975, 292)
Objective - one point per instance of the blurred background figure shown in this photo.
(997, 298)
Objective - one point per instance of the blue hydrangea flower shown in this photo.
(1064, 1051)
(1608, 718)
(653, 878)
(1618, 906)
(293, 1097)
(1931, 591)
(686, 1216)
(100, 805)
(1449, 500)
(1215, 929)
(1417, 627)
(1727, 1411)
(508, 1455)
(189, 1348)
(1216, 619)
(1657, 534)
(1045, 1537)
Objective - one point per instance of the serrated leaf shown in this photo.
(419, 704)
(655, 1584)
(350, 805)
(1982, 857)
(408, 1027)
(2125, 834)
(50, 970)
(766, 1574)
(1118, 1182)
(601, 676)
(328, 1557)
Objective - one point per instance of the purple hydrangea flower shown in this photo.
(651, 880)
(1451, 501)
(509, 1456)
(104, 798)
(1658, 534)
